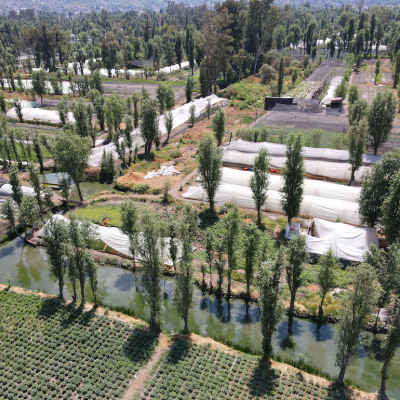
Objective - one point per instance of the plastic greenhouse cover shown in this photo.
(6, 190)
(27, 84)
(277, 149)
(333, 170)
(347, 242)
(180, 116)
(311, 187)
(117, 240)
(39, 114)
(335, 82)
(311, 206)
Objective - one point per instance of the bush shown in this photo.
(157, 191)
(140, 188)
(231, 93)
(162, 76)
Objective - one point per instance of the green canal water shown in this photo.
(235, 322)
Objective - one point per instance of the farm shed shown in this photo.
(311, 206)
(336, 171)
(311, 187)
(336, 102)
(277, 149)
(347, 242)
(270, 102)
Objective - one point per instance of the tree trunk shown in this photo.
(292, 299)
(382, 389)
(321, 310)
(94, 297)
(343, 367)
(186, 320)
(376, 320)
(211, 204)
(152, 322)
(351, 177)
(74, 289)
(248, 287)
(229, 287)
(82, 284)
(60, 285)
(210, 278)
(79, 190)
(258, 215)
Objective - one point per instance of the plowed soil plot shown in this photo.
(127, 89)
(369, 91)
(326, 69)
(363, 77)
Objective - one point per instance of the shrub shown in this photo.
(141, 188)
(157, 191)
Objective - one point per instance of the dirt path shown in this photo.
(136, 385)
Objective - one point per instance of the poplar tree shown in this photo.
(43, 196)
(135, 99)
(80, 115)
(259, 181)
(293, 176)
(38, 151)
(62, 110)
(169, 122)
(281, 73)
(356, 138)
(210, 251)
(357, 305)
(82, 235)
(297, 255)
(250, 252)
(218, 125)
(184, 287)
(55, 240)
(327, 276)
(178, 49)
(271, 299)
(130, 226)
(15, 185)
(390, 344)
(219, 263)
(380, 118)
(151, 257)
(358, 111)
(391, 210)
(209, 166)
(231, 225)
(396, 76)
(149, 124)
(377, 68)
(189, 88)
(39, 84)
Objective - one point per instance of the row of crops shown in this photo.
(304, 89)
(191, 371)
(52, 351)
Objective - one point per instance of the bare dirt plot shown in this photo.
(368, 92)
(326, 69)
(328, 120)
(363, 77)
(127, 89)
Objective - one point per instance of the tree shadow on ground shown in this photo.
(140, 345)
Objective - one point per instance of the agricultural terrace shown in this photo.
(52, 350)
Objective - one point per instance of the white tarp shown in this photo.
(117, 240)
(347, 242)
(311, 187)
(163, 171)
(332, 170)
(6, 190)
(277, 149)
(39, 114)
(180, 116)
(311, 206)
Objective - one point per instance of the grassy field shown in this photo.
(52, 351)
(191, 371)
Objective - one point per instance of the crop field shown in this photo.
(191, 371)
(304, 89)
(52, 351)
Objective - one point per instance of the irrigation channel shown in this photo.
(235, 322)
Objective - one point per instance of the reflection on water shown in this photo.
(236, 322)
(87, 188)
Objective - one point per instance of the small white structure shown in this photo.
(347, 242)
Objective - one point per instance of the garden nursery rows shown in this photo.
(55, 350)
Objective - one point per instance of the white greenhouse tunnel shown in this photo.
(339, 171)
(311, 187)
(311, 206)
(180, 116)
(277, 149)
